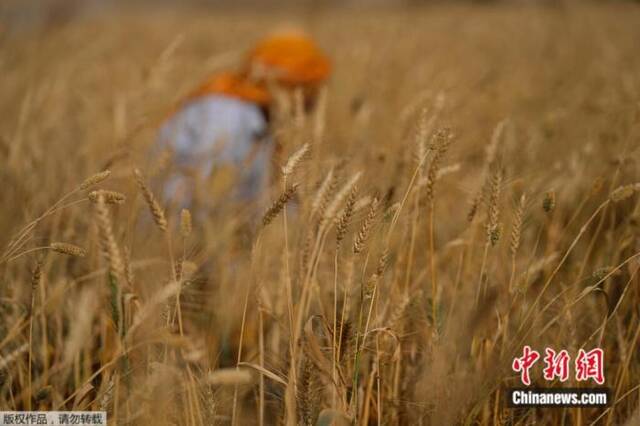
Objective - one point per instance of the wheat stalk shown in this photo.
(623, 192)
(294, 160)
(345, 217)
(156, 211)
(108, 241)
(68, 249)
(332, 208)
(95, 179)
(516, 232)
(185, 223)
(516, 227)
(36, 276)
(110, 197)
(440, 145)
(493, 226)
(365, 229)
(277, 206)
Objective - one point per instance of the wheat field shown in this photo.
(466, 185)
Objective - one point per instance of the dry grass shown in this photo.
(415, 315)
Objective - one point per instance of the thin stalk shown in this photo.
(261, 355)
(564, 258)
(335, 326)
(240, 343)
(432, 261)
(482, 267)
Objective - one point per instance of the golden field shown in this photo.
(469, 186)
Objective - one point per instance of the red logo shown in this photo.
(557, 365)
(590, 365)
(523, 364)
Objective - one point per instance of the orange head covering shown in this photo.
(234, 85)
(291, 59)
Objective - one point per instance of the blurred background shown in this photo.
(543, 99)
(21, 15)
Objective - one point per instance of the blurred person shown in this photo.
(221, 131)
(220, 137)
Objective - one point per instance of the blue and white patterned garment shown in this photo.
(216, 131)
